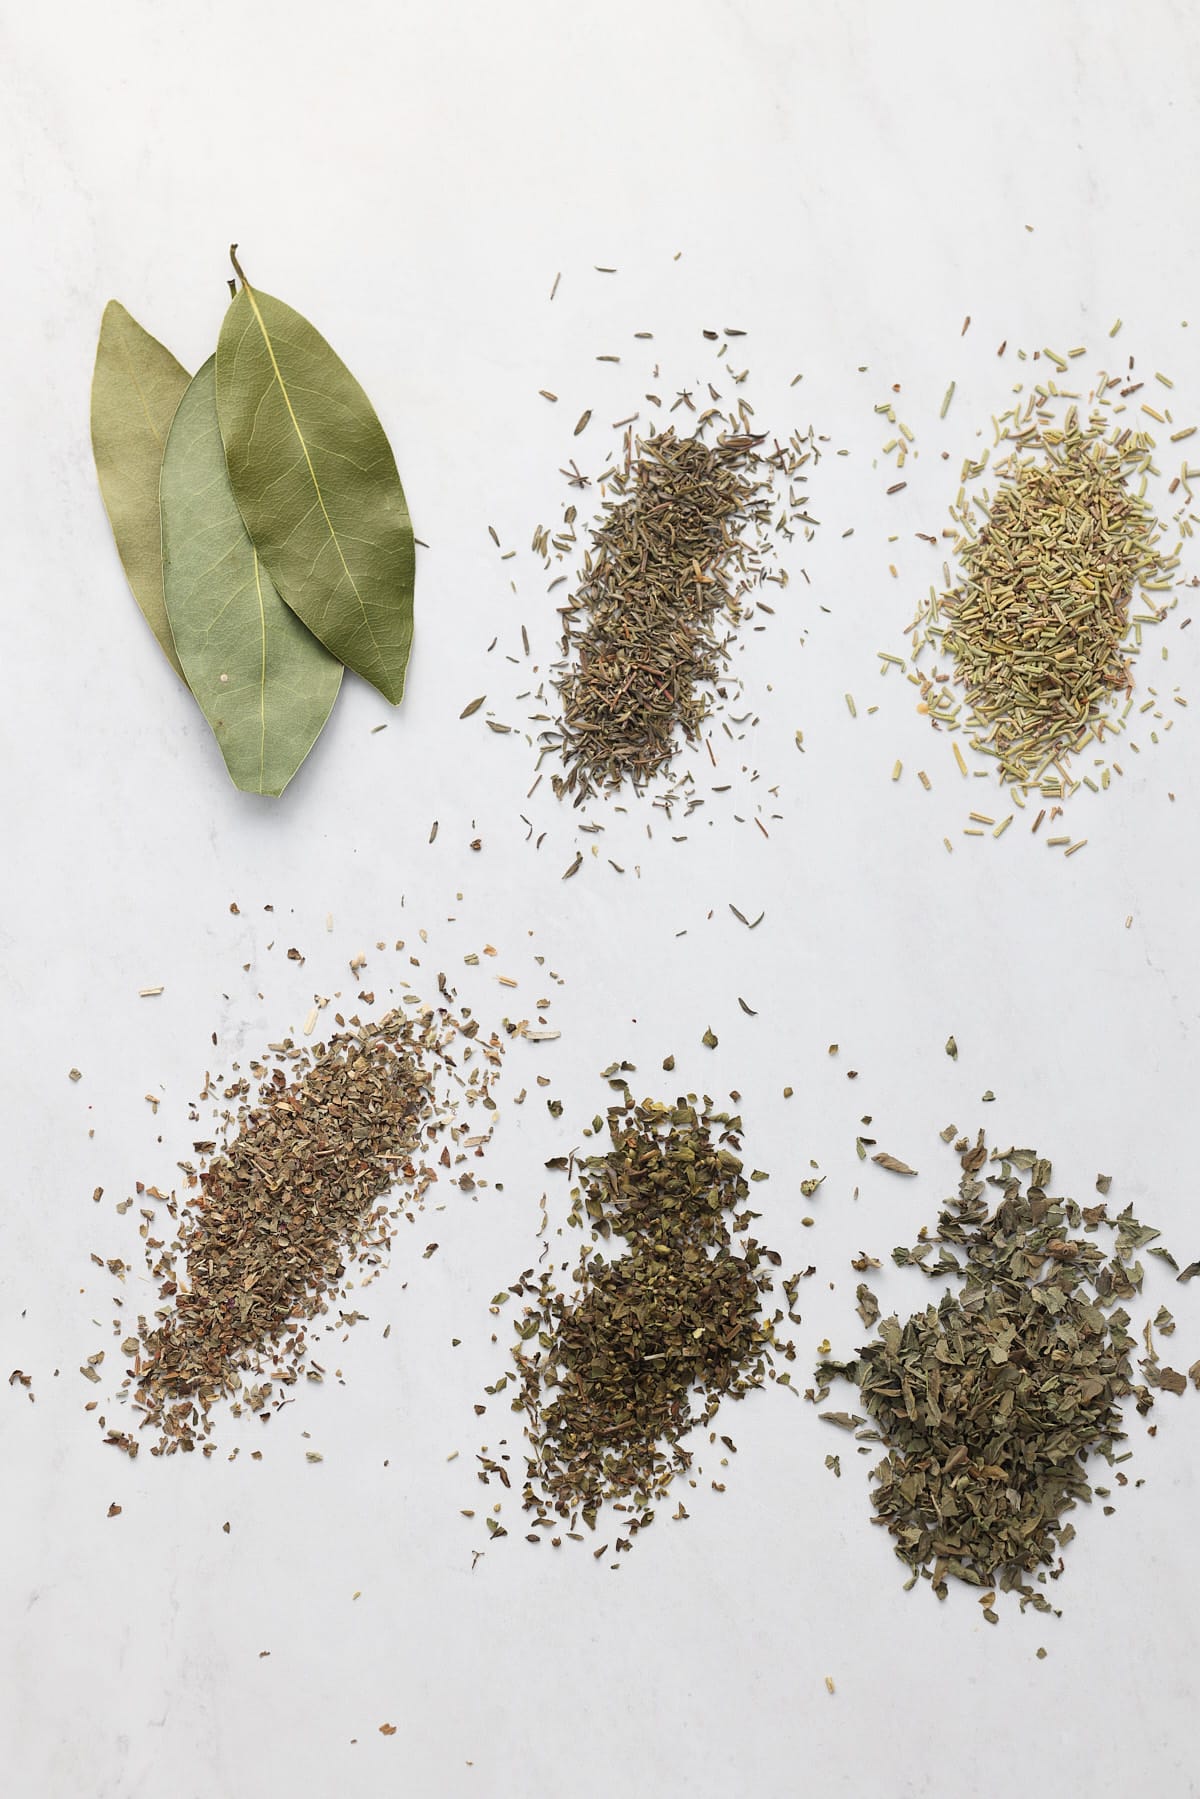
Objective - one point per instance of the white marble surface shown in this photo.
(846, 182)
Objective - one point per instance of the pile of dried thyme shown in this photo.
(1038, 626)
(668, 576)
(612, 1375)
(992, 1403)
(270, 1222)
(646, 634)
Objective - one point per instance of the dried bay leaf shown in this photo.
(136, 387)
(316, 482)
(264, 683)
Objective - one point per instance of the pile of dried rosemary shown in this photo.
(992, 1403)
(1038, 626)
(264, 1237)
(613, 1375)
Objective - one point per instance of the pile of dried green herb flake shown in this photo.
(316, 1171)
(992, 1403)
(1038, 626)
(614, 1374)
(646, 634)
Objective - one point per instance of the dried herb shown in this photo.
(646, 633)
(274, 516)
(270, 1223)
(136, 388)
(264, 682)
(1038, 627)
(317, 485)
(992, 1402)
(613, 1374)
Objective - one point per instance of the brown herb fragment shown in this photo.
(890, 1162)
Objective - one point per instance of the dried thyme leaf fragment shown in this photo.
(992, 1402)
(650, 1338)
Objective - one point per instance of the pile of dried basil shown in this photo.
(269, 1224)
(992, 1404)
(261, 521)
(612, 1375)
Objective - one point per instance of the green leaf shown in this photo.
(136, 387)
(264, 683)
(317, 485)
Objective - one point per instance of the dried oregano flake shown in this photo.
(613, 1373)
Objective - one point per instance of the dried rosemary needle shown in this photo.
(1038, 629)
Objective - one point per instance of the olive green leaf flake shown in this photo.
(264, 683)
(316, 482)
(136, 386)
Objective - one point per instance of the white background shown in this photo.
(845, 182)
